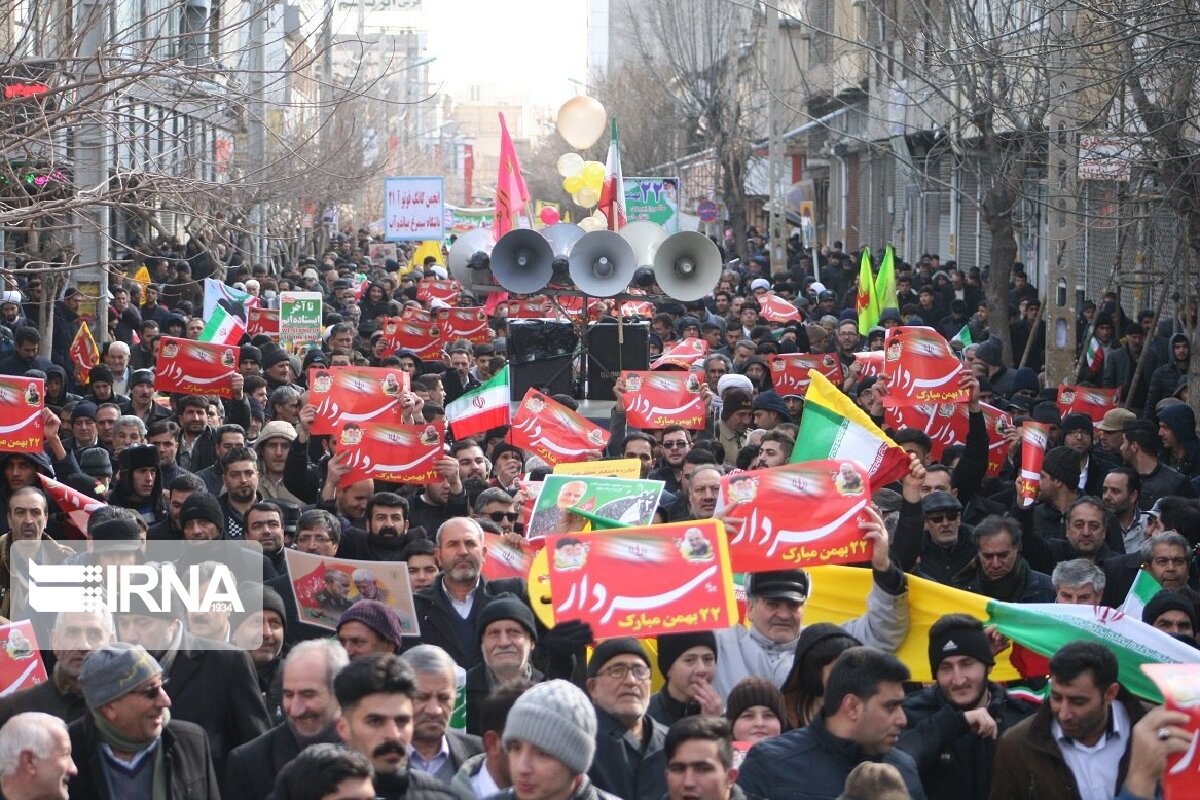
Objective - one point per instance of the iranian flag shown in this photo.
(223, 328)
(963, 337)
(612, 196)
(1095, 354)
(1143, 589)
(833, 427)
(481, 409)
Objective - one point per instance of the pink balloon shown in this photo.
(549, 215)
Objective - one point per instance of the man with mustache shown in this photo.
(376, 696)
(310, 715)
(435, 749)
(630, 761)
(507, 634)
(387, 531)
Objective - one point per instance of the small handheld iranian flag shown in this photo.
(1143, 589)
(223, 328)
(963, 337)
(481, 409)
(1095, 354)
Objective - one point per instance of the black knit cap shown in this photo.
(1077, 421)
(673, 645)
(608, 650)
(960, 641)
(1167, 600)
(507, 606)
(1062, 464)
(202, 506)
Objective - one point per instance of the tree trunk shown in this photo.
(733, 187)
(997, 207)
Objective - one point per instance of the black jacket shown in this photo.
(44, 697)
(617, 769)
(186, 755)
(411, 785)
(915, 552)
(434, 610)
(477, 688)
(204, 449)
(251, 768)
(954, 763)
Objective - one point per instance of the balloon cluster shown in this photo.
(581, 122)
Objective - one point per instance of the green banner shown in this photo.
(653, 199)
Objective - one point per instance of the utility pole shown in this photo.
(1062, 276)
(777, 238)
(91, 155)
(256, 134)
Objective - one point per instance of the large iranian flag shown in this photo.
(612, 195)
(481, 409)
(833, 427)
(223, 328)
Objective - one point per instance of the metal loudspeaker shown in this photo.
(562, 237)
(602, 263)
(645, 238)
(687, 266)
(522, 261)
(470, 256)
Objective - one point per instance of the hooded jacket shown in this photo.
(1182, 422)
(1164, 379)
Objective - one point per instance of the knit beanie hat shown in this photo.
(752, 692)
(557, 718)
(1062, 463)
(202, 506)
(376, 616)
(672, 645)
(507, 606)
(114, 671)
(1077, 421)
(968, 640)
(735, 400)
(1167, 600)
(256, 596)
(608, 650)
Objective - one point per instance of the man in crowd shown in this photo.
(629, 760)
(435, 749)
(508, 635)
(699, 752)
(35, 758)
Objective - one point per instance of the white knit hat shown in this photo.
(557, 718)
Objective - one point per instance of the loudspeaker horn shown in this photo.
(522, 261)
(602, 263)
(462, 257)
(562, 237)
(687, 266)
(645, 237)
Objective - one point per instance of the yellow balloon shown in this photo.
(573, 184)
(581, 121)
(593, 173)
(586, 197)
(570, 164)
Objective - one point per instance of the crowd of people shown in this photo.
(267, 704)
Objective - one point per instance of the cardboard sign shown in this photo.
(325, 586)
(189, 367)
(421, 339)
(773, 535)
(655, 400)
(262, 321)
(947, 424)
(789, 373)
(1180, 687)
(468, 323)
(682, 355)
(430, 289)
(612, 468)
(871, 364)
(21, 664)
(644, 581)
(921, 368)
(1087, 400)
(626, 502)
(391, 452)
(300, 318)
(554, 432)
(355, 395)
(774, 308)
(1035, 439)
(21, 403)
(508, 559)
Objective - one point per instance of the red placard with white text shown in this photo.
(920, 368)
(654, 400)
(355, 394)
(871, 364)
(391, 453)
(1087, 400)
(789, 373)
(21, 664)
(429, 289)
(773, 308)
(1035, 439)
(683, 354)
(189, 367)
(468, 323)
(21, 403)
(948, 424)
(262, 320)
(645, 581)
(554, 432)
(1180, 687)
(422, 339)
(508, 558)
(776, 534)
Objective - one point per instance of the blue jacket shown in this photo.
(812, 764)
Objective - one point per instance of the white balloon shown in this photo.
(589, 224)
(581, 121)
(570, 164)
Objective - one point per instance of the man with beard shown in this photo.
(227, 438)
(508, 635)
(676, 444)
(272, 445)
(141, 399)
(27, 518)
(197, 440)
(264, 524)
(75, 634)
(630, 761)
(954, 725)
(386, 534)
(239, 471)
(376, 698)
(164, 435)
(449, 610)
(260, 631)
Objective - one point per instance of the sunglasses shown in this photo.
(496, 516)
(151, 692)
(942, 516)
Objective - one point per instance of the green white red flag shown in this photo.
(612, 196)
(482, 408)
(223, 328)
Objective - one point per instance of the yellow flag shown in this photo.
(867, 301)
(426, 249)
(143, 276)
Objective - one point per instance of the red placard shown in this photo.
(655, 400)
(1180, 687)
(391, 452)
(683, 354)
(538, 307)
(21, 404)
(262, 320)
(20, 659)
(1035, 438)
(430, 289)
(833, 496)
(773, 308)
(1087, 400)
(424, 340)
(947, 424)
(871, 364)
(508, 559)
(637, 308)
(418, 315)
(469, 322)
(789, 373)
(920, 368)
(554, 432)
(643, 581)
(355, 394)
(188, 367)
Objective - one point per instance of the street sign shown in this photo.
(707, 211)
(300, 316)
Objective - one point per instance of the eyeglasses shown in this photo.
(496, 516)
(674, 445)
(312, 539)
(942, 516)
(151, 692)
(620, 672)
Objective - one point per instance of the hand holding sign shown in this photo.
(920, 368)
